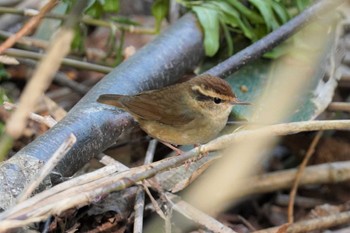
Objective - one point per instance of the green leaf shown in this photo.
(3, 76)
(209, 21)
(2, 128)
(232, 17)
(251, 15)
(119, 52)
(265, 9)
(302, 4)
(227, 14)
(6, 143)
(160, 9)
(228, 38)
(111, 6)
(94, 9)
(280, 11)
(3, 96)
(78, 40)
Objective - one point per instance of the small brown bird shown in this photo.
(186, 113)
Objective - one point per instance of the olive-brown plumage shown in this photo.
(191, 112)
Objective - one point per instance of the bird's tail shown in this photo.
(111, 99)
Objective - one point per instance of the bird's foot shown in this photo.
(199, 157)
(177, 150)
(201, 154)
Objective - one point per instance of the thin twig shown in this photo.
(157, 208)
(107, 160)
(140, 196)
(7, 60)
(61, 79)
(246, 223)
(139, 208)
(56, 111)
(167, 225)
(339, 106)
(331, 173)
(86, 19)
(48, 167)
(65, 61)
(29, 26)
(27, 41)
(46, 120)
(301, 169)
(150, 151)
(319, 223)
(276, 130)
(30, 43)
(196, 215)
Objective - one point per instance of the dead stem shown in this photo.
(301, 169)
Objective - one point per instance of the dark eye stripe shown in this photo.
(203, 98)
(200, 97)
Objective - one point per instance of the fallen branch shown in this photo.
(313, 224)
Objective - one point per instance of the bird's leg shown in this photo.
(177, 150)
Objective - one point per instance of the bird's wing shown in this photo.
(158, 106)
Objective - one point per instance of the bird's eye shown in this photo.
(217, 100)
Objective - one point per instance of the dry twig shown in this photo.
(301, 169)
(19, 53)
(140, 195)
(339, 106)
(318, 174)
(139, 208)
(276, 130)
(313, 224)
(196, 215)
(30, 25)
(46, 120)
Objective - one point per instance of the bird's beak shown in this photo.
(239, 102)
